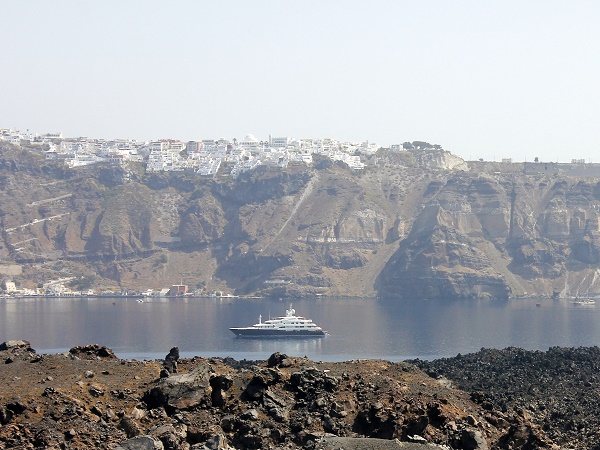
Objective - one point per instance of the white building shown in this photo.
(209, 167)
(193, 146)
(209, 145)
(368, 148)
(245, 166)
(50, 136)
(279, 142)
(249, 142)
(76, 147)
(164, 155)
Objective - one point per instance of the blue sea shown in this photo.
(357, 328)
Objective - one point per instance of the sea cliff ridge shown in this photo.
(411, 224)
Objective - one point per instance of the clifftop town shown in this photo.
(201, 157)
(413, 221)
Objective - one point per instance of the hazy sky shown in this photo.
(484, 79)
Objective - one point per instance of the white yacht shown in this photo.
(290, 325)
(584, 302)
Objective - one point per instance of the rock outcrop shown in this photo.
(92, 351)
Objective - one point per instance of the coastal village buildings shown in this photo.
(208, 156)
(203, 157)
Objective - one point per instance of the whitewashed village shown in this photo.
(204, 157)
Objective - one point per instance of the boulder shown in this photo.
(473, 440)
(96, 391)
(216, 442)
(348, 443)
(251, 414)
(5, 415)
(15, 345)
(220, 384)
(279, 360)
(130, 427)
(141, 443)
(255, 388)
(171, 359)
(312, 380)
(92, 351)
(182, 391)
(172, 437)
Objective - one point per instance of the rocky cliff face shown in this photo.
(412, 225)
(499, 235)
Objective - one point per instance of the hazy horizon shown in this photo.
(487, 80)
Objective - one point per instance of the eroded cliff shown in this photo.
(413, 225)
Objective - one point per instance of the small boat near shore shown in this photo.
(584, 302)
(288, 326)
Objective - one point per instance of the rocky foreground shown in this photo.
(557, 391)
(88, 398)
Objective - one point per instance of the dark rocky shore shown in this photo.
(88, 398)
(558, 390)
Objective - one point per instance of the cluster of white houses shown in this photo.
(203, 157)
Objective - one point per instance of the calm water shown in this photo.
(359, 329)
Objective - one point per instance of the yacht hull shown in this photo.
(249, 332)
